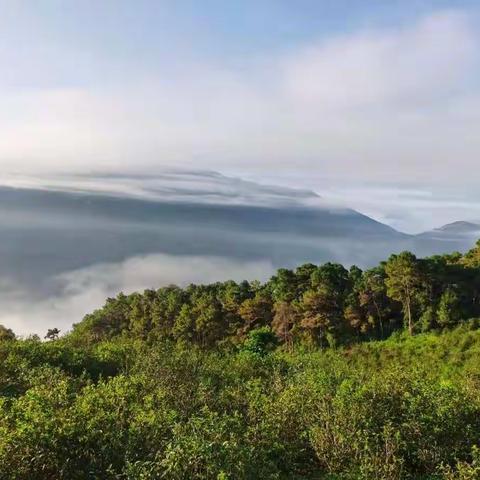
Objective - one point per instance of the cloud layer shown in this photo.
(171, 185)
(399, 102)
(65, 248)
(83, 290)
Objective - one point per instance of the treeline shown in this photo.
(325, 305)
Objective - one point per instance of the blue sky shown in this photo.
(144, 34)
(318, 93)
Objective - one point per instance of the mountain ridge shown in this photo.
(457, 228)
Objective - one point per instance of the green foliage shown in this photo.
(311, 306)
(449, 309)
(404, 283)
(260, 341)
(472, 257)
(226, 381)
(404, 408)
(6, 334)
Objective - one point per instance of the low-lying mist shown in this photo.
(65, 247)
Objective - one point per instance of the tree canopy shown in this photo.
(312, 305)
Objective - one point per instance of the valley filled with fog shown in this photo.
(66, 244)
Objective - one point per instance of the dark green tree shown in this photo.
(449, 310)
(52, 334)
(6, 333)
(404, 283)
(284, 322)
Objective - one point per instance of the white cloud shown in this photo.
(86, 289)
(174, 185)
(377, 104)
(410, 65)
(409, 210)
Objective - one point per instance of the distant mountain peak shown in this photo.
(459, 227)
(456, 231)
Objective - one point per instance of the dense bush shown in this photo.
(408, 407)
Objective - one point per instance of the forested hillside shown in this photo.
(325, 305)
(320, 373)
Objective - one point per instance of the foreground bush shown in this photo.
(405, 408)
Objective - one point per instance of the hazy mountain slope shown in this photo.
(62, 252)
(456, 236)
(454, 231)
(43, 233)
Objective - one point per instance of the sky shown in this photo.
(370, 100)
(368, 104)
